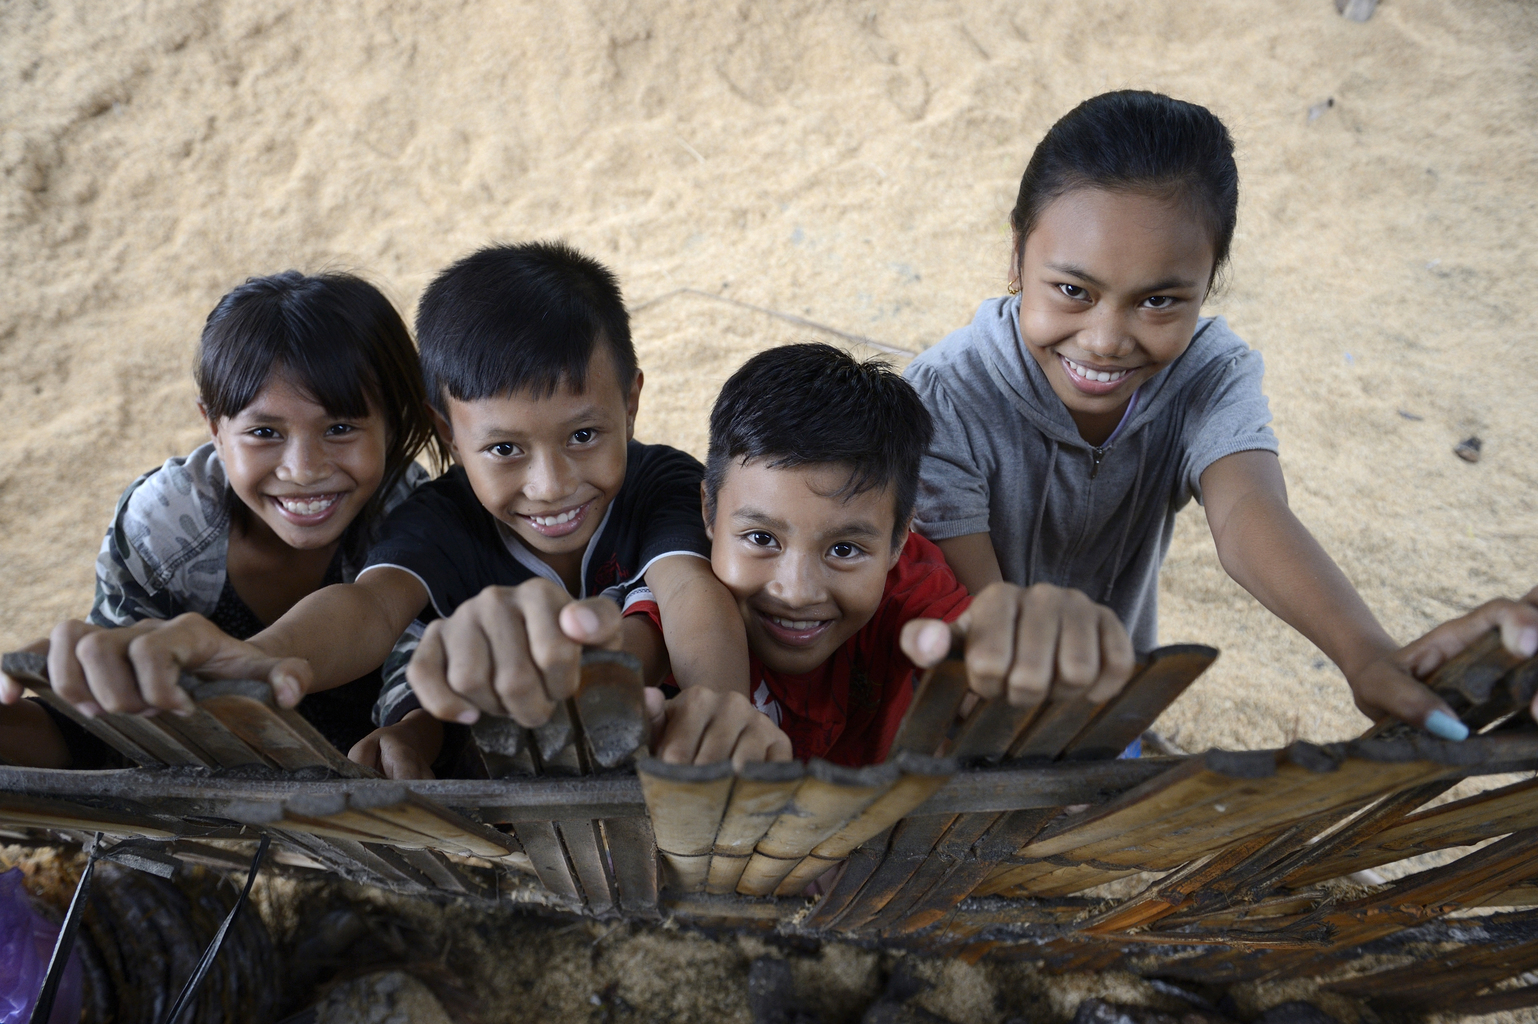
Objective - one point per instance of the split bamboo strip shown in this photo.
(32, 669)
(760, 792)
(610, 707)
(1127, 715)
(921, 777)
(686, 803)
(932, 712)
(828, 798)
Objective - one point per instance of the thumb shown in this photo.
(926, 642)
(290, 679)
(593, 623)
(657, 711)
(1397, 693)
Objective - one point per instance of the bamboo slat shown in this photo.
(686, 803)
(932, 712)
(757, 797)
(830, 797)
(1130, 713)
(611, 708)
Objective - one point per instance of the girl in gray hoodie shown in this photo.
(1077, 415)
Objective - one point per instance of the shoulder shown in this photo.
(1216, 351)
(415, 476)
(922, 583)
(646, 461)
(960, 355)
(445, 502)
(170, 532)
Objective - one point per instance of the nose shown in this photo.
(797, 581)
(1107, 335)
(305, 461)
(549, 478)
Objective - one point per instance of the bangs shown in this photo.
(245, 350)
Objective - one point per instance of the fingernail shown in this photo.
(587, 619)
(150, 712)
(1527, 642)
(468, 717)
(89, 709)
(1440, 723)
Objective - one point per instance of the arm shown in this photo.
(374, 612)
(973, 560)
(707, 644)
(1268, 552)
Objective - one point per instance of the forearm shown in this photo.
(1268, 552)
(973, 560)
(344, 631)
(638, 636)
(707, 644)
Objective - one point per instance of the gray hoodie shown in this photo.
(1007, 459)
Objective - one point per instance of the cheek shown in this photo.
(740, 574)
(859, 594)
(246, 469)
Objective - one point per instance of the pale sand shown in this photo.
(851, 164)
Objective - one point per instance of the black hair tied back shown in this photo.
(1132, 141)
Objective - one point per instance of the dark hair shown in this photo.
(515, 317)
(1134, 141)
(339, 340)
(804, 405)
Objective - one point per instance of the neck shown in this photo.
(567, 565)
(1097, 427)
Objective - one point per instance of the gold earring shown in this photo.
(1014, 287)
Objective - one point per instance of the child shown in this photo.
(1077, 416)
(514, 557)
(809, 489)
(312, 392)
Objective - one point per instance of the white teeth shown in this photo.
(307, 507)
(1103, 376)
(564, 517)
(798, 625)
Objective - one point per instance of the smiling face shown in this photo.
(1111, 285)
(303, 472)
(549, 466)
(807, 567)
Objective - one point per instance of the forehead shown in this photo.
(1121, 235)
(527, 411)
(809, 499)
(282, 398)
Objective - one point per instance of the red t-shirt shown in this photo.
(848, 708)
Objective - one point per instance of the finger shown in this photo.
(1517, 621)
(1388, 690)
(1078, 647)
(780, 748)
(427, 673)
(109, 673)
(657, 711)
(520, 686)
(290, 679)
(366, 752)
(926, 642)
(468, 661)
(688, 717)
(1117, 659)
(991, 639)
(724, 731)
(65, 674)
(556, 656)
(594, 622)
(156, 659)
(400, 760)
(12, 689)
(1036, 641)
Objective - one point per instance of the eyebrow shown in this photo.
(592, 415)
(1074, 270)
(855, 528)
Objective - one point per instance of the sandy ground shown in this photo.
(850, 164)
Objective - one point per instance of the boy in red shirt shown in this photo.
(808, 495)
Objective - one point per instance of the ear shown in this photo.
(444, 428)
(902, 542)
(710, 527)
(1013, 273)
(633, 404)
(212, 423)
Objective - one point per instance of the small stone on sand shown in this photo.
(1468, 449)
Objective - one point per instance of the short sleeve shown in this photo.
(925, 587)
(663, 499)
(123, 595)
(443, 537)
(396, 698)
(1232, 415)
(953, 490)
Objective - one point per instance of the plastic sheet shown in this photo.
(26, 943)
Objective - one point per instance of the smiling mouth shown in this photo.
(794, 632)
(306, 509)
(559, 524)
(1093, 381)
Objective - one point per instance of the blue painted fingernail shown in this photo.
(1440, 723)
